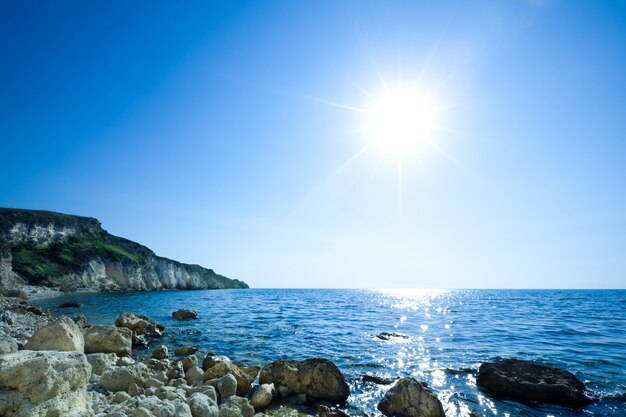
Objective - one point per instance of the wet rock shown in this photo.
(409, 398)
(211, 359)
(186, 350)
(525, 380)
(48, 383)
(174, 408)
(62, 335)
(377, 379)
(108, 339)
(161, 352)
(7, 344)
(185, 315)
(234, 406)
(316, 377)
(70, 304)
(142, 326)
(244, 381)
(263, 396)
(391, 336)
(251, 371)
(325, 411)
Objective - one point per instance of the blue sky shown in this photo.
(204, 132)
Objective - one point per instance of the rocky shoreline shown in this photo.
(66, 367)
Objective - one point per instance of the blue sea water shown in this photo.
(451, 332)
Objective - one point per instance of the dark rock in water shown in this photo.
(389, 336)
(211, 359)
(69, 304)
(525, 380)
(377, 379)
(186, 350)
(162, 352)
(316, 377)
(185, 315)
(410, 398)
(36, 310)
(142, 326)
(325, 411)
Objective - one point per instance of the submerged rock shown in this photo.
(377, 379)
(391, 336)
(186, 350)
(62, 335)
(70, 304)
(316, 377)
(109, 339)
(525, 380)
(47, 383)
(185, 315)
(410, 398)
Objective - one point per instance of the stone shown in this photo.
(225, 386)
(186, 350)
(7, 344)
(43, 383)
(211, 359)
(263, 396)
(142, 326)
(528, 381)
(194, 375)
(109, 339)
(189, 361)
(174, 408)
(81, 322)
(161, 352)
(226, 367)
(70, 304)
(121, 378)
(185, 315)
(379, 380)
(410, 398)
(134, 390)
(125, 361)
(62, 335)
(202, 406)
(176, 370)
(101, 362)
(318, 378)
(251, 371)
(120, 397)
(234, 406)
(325, 411)
(141, 412)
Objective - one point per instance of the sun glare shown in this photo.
(400, 122)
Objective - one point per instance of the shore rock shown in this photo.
(225, 386)
(142, 326)
(122, 378)
(221, 369)
(409, 398)
(189, 362)
(211, 359)
(44, 383)
(234, 406)
(391, 336)
(185, 315)
(202, 405)
(316, 377)
(101, 362)
(525, 380)
(194, 375)
(263, 396)
(162, 352)
(62, 335)
(108, 339)
(7, 344)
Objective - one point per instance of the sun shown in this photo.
(400, 122)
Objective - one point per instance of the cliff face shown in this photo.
(58, 250)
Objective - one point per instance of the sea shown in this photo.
(444, 336)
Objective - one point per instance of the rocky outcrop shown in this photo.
(45, 383)
(57, 250)
(142, 327)
(185, 315)
(316, 377)
(62, 335)
(108, 339)
(525, 380)
(409, 398)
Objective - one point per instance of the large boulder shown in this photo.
(226, 367)
(102, 362)
(318, 378)
(202, 405)
(62, 335)
(7, 344)
(43, 383)
(109, 339)
(262, 396)
(528, 381)
(234, 406)
(185, 315)
(122, 378)
(142, 326)
(409, 398)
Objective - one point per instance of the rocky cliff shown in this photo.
(58, 250)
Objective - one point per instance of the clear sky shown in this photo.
(240, 136)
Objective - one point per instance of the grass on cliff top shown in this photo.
(42, 265)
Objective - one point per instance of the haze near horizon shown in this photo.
(330, 145)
